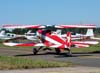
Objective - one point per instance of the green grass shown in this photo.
(7, 62)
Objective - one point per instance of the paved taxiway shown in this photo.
(82, 59)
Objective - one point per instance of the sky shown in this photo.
(50, 12)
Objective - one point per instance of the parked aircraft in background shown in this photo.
(30, 36)
(8, 36)
(89, 34)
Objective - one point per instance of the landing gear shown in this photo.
(35, 50)
(57, 51)
(47, 49)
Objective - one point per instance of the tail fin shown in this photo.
(68, 40)
(90, 32)
(2, 32)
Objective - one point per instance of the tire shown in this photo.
(57, 50)
(35, 51)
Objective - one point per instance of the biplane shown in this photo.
(49, 40)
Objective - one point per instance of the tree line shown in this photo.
(75, 30)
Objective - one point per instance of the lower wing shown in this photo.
(30, 44)
(22, 44)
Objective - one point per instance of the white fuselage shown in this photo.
(7, 36)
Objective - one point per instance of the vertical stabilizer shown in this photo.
(68, 39)
(2, 32)
(90, 33)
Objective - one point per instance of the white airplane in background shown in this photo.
(30, 36)
(8, 36)
(75, 36)
(89, 34)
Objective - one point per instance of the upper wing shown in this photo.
(76, 26)
(23, 26)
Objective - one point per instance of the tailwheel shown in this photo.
(57, 50)
(69, 53)
(35, 51)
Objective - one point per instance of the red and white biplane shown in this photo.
(49, 40)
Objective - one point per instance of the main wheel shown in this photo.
(35, 51)
(57, 50)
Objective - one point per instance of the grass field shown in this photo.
(7, 62)
(11, 62)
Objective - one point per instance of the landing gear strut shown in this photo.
(35, 50)
(69, 52)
